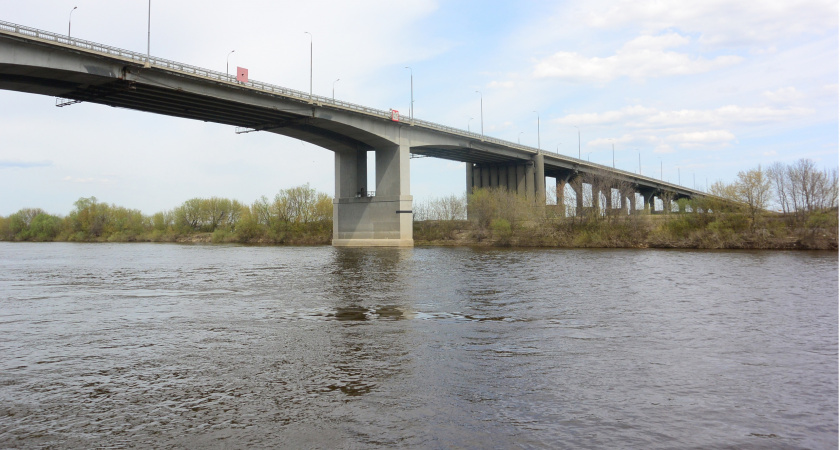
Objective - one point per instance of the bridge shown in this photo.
(75, 70)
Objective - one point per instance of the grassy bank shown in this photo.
(694, 231)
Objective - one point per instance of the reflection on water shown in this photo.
(251, 347)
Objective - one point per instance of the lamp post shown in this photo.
(69, 21)
(411, 109)
(468, 125)
(578, 128)
(538, 131)
(227, 64)
(678, 176)
(613, 147)
(640, 161)
(334, 82)
(661, 178)
(310, 63)
(482, 112)
(587, 155)
(518, 138)
(149, 37)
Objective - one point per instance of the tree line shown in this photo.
(295, 215)
(783, 206)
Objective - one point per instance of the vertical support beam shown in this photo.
(577, 186)
(652, 203)
(622, 199)
(596, 200)
(530, 177)
(632, 202)
(485, 176)
(470, 171)
(647, 201)
(521, 185)
(608, 201)
(350, 173)
(560, 192)
(511, 178)
(539, 181)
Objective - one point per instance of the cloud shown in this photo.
(644, 117)
(641, 58)
(24, 164)
(701, 138)
(720, 22)
(784, 95)
(500, 84)
(86, 180)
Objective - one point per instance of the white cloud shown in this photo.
(500, 84)
(701, 138)
(784, 95)
(639, 116)
(86, 180)
(720, 22)
(641, 58)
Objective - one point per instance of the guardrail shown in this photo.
(141, 58)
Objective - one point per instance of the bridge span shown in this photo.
(75, 70)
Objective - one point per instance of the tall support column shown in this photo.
(351, 174)
(596, 200)
(608, 201)
(652, 204)
(521, 185)
(511, 179)
(383, 220)
(577, 186)
(485, 177)
(530, 177)
(647, 202)
(539, 181)
(470, 185)
(622, 200)
(560, 192)
(632, 202)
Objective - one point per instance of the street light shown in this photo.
(538, 130)
(334, 82)
(70, 20)
(661, 178)
(411, 110)
(227, 63)
(310, 63)
(518, 140)
(149, 38)
(482, 112)
(640, 160)
(578, 128)
(587, 155)
(468, 125)
(613, 147)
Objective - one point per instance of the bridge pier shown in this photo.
(383, 219)
(526, 178)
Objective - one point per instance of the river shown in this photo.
(214, 346)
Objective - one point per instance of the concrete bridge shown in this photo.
(74, 70)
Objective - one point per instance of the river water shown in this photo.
(188, 346)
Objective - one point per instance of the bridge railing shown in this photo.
(142, 58)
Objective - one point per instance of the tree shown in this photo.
(753, 188)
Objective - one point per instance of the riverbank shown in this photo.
(639, 232)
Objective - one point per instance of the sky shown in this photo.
(692, 92)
